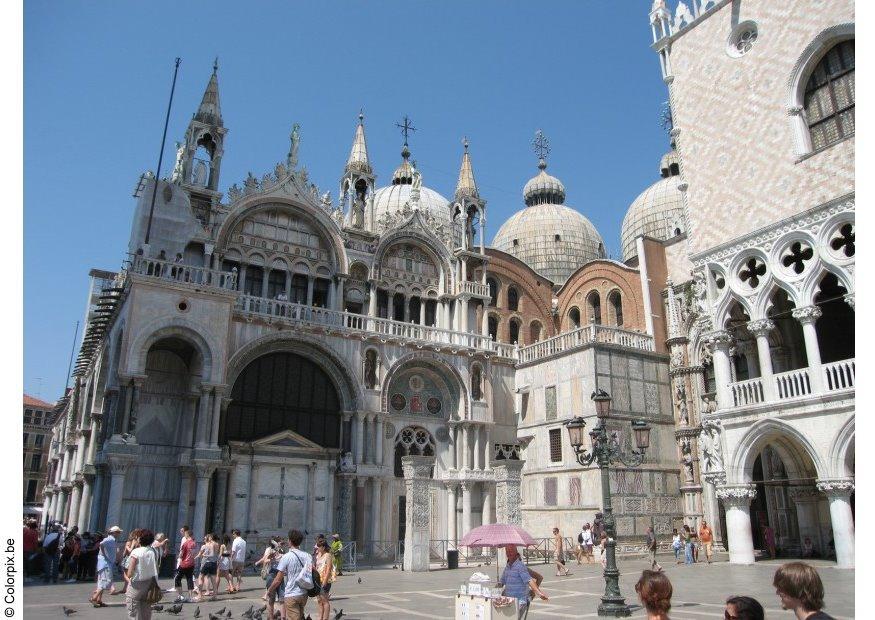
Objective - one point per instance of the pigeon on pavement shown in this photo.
(175, 609)
(67, 611)
(157, 607)
(197, 612)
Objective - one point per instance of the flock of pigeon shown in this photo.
(222, 614)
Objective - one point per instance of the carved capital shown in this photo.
(761, 327)
(119, 466)
(736, 494)
(849, 299)
(417, 467)
(720, 339)
(508, 471)
(203, 469)
(807, 314)
(836, 487)
(794, 110)
(804, 494)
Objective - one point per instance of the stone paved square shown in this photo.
(699, 592)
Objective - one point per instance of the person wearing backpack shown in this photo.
(51, 544)
(302, 580)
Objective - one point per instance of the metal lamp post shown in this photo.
(606, 451)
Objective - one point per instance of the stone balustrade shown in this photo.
(793, 384)
(584, 336)
(467, 287)
(182, 273)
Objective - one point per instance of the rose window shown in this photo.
(843, 240)
(752, 271)
(796, 257)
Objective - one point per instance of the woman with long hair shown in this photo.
(208, 579)
(225, 564)
(325, 567)
(654, 591)
(131, 544)
(270, 560)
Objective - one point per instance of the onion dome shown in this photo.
(658, 211)
(391, 199)
(552, 238)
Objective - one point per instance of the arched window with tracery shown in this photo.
(412, 441)
(594, 306)
(513, 299)
(830, 95)
(616, 302)
(493, 291)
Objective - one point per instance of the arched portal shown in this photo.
(283, 391)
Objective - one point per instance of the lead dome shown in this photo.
(554, 239)
(658, 211)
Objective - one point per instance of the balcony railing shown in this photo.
(585, 336)
(472, 288)
(302, 314)
(836, 377)
(180, 272)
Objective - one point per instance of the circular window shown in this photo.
(398, 402)
(182, 306)
(743, 36)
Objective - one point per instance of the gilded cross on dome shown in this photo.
(541, 145)
(406, 128)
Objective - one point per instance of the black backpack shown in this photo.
(52, 547)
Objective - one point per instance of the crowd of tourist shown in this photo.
(131, 565)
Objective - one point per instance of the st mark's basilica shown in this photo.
(268, 355)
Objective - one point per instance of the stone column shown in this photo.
(379, 431)
(422, 302)
(808, 316)
(390, 305)
(344, 521)
(466, 487)
(360, 534)
(75, 499)
(338, 295)
(220, 499)
(477, 446)
(184, 501)
(487, 455)
(310, 281)
(417, 536)
(839, 493)
(736, 499)
(203, 470)
(463, 313)
(203, 418)
(359, 437)
(720, 342)
(218, 404)
(487, 504)
(452, 529)
(118, 467)
(375, 513)
(466, 447)
(454, 432)
(387, 487)
(372, 302)
(508, 496)
(310, 514)
(760, 330)
(85, 503)
(94, 522)
(484, 320)
(253, 495)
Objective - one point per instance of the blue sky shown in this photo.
(97, 76)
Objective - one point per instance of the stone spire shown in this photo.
(466, 185)
(209, 111)
(358, 154)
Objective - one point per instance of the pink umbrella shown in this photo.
(497, 535)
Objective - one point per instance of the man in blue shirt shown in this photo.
(517, 580)
(296, 567)
(107, 557)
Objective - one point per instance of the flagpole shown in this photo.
(161, 153)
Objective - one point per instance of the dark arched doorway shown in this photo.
(283, 391)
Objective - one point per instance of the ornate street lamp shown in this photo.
(606, 451)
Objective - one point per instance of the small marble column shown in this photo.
(466, 447)
(452, 501)
(375, 513)
(760, 330)
(85, 503)
(808, 316)
(203, 418)
(359, 437)
(253, 496)
(345, 521)
(417, 533)
(184, 501)
(118, 468)
(736, 500)
(360, 533)
(378, 430)
(218, 391)
(310, 281)
(463, 326)
(203, 471)
(477, 461)
(467, 488)
(221, 495)
(720, 342)
(487, 504)
(94, 522)
(372, 303)
(508, 496)
(839, 493)
(310, 515)
(75, 499)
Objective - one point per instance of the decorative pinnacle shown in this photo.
(361, 116)
(406, 128)
(541, 146)
(215, 65)
(465, 143)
